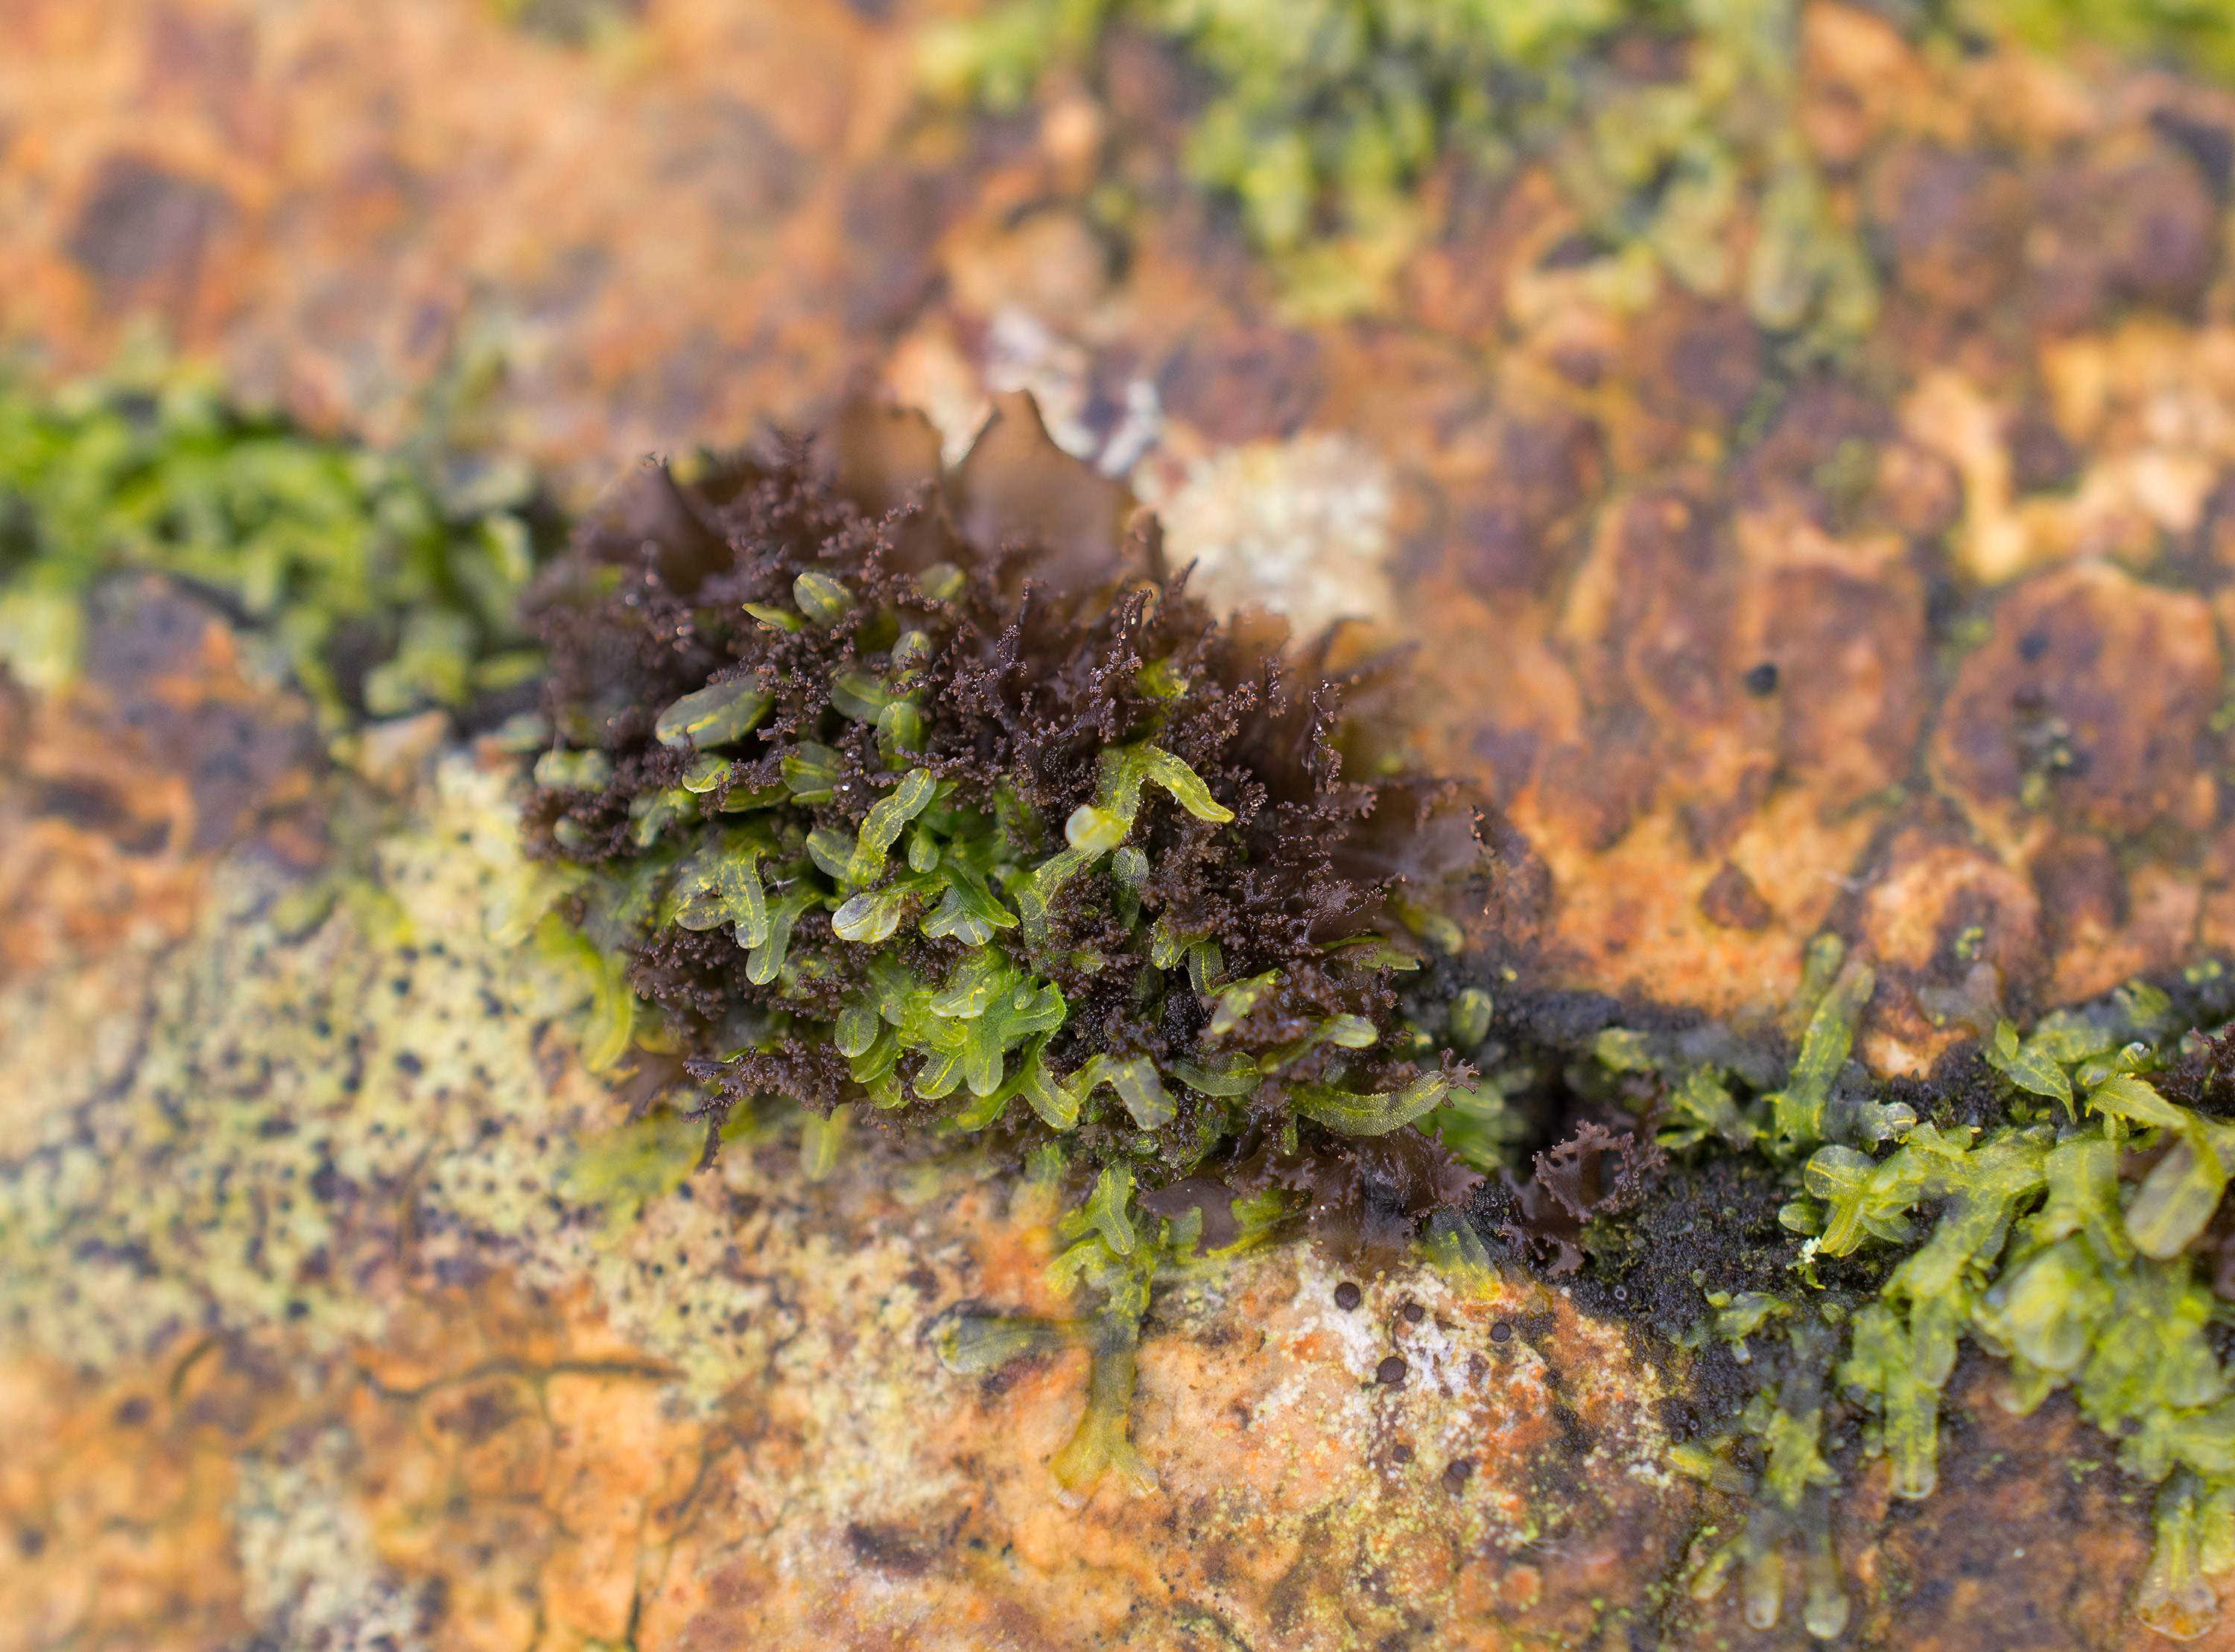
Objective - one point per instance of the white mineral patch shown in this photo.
(931, 371)
(307, 1572)
(1297, 528)
(1022, 353)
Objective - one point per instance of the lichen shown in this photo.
(293, 1111)
(306, 1556)
(799, 822)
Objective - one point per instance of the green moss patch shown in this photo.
(855, 815)
(2072, 1233)
(1668, 124)
(352, 572)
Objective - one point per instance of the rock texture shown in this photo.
(342, 1305)
(343, 1310)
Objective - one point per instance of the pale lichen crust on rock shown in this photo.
(321, 1110)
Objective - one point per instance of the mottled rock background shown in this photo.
(342, 1309)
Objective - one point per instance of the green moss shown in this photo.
(1327, 116)
(2191, 34)
(2026, 1236)
(355, 578)
(1073, 880)
(1324, 118)
(1115, 1260)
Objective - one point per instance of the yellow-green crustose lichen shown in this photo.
(257, 1127)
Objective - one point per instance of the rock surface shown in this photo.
(344, 1310)
(343, 1304)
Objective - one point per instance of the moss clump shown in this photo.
(860, 817)
(912, 833)
(373, 595)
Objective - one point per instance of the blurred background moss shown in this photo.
(352, 571)
(1320, 119)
